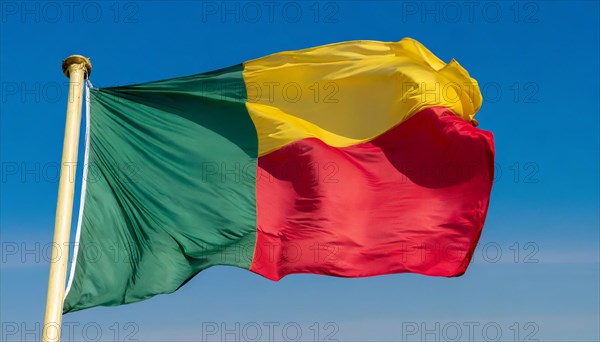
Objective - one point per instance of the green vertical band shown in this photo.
(170, 188)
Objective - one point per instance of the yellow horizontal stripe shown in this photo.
(351, 92)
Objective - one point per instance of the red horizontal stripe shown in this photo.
(412, 200)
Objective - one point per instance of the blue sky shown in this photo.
(536, 272)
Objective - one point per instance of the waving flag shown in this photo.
(353, 159)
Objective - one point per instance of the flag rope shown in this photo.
(83, 187)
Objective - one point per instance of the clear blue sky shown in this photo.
(536, 272)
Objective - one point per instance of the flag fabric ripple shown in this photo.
(353, 159)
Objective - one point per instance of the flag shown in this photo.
(353, 159)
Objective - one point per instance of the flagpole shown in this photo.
(77, 68)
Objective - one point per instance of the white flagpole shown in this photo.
(77, 69)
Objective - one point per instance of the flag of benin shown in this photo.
(353, 159)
